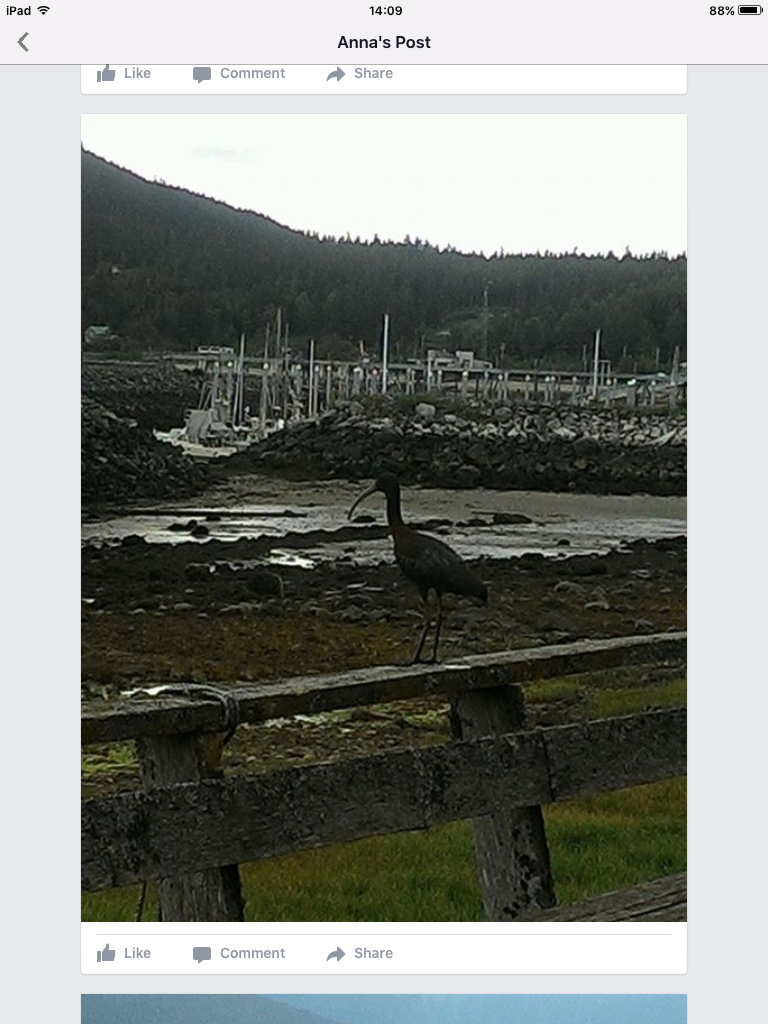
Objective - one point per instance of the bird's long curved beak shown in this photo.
(366, 494)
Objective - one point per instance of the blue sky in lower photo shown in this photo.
(463, 1009)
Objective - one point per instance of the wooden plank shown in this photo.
(663, 900)
(583, 758)
(107, 722)
(510, 845)
(192, 826)
(212, 893)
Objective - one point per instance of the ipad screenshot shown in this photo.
(369, 329)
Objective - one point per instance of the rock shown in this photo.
(597, 606)
(425, 411)
(588, 565)
(563, 542)
(586, 446)
(503, 414)
(570, 588)
(364, 517)
(467, 476)
(510, 518)
(353, 614)
(478, 453)
(199, 571)
(557, 621)
(263, 582)
(200, 530)
(132, 540)
(644, 626)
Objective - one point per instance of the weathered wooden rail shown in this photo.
(190, 826)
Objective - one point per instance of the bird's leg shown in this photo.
(438, 624)
(417, 656)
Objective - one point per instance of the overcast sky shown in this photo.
(479, 182)
(512, 1009)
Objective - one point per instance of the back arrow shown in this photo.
(26, 48)
(338, 74)
(338, 953)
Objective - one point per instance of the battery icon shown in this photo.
(750, 10)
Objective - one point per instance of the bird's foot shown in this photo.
(421, 661)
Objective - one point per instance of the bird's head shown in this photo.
(385, 482)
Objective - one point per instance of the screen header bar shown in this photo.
(424, 32)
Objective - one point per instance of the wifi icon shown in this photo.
(43, 10)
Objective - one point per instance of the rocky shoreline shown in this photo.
(154, 395)
(510, 447)
(122, 461)
(519, 447)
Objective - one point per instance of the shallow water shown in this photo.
(254, 507)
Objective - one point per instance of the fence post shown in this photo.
(510, 846)
(213, 894)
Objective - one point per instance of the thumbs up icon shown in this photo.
(106, 954)
(106, 75)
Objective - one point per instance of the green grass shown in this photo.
(104, 761)
(596, 843)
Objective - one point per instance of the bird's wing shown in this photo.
(435, 565)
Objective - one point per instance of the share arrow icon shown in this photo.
(338, 953)
(338, 74)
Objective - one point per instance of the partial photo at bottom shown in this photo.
(383, 1009)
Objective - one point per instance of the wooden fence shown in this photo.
(190, 826)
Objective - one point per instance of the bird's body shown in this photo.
(426, 561)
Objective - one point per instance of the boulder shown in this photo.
(425, 411)
(569, 588)
(510, 519)
(467, 476)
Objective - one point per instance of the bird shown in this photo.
(425, 561)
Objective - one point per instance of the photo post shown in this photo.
(384, 517)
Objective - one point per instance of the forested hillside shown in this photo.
(196, 1009)
(171, 269)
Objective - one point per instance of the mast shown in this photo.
(597, 363)
(311, 395)
(237, 412)
(385, 355)
(264, 381)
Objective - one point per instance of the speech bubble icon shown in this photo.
(201, 953)
(201, 75)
